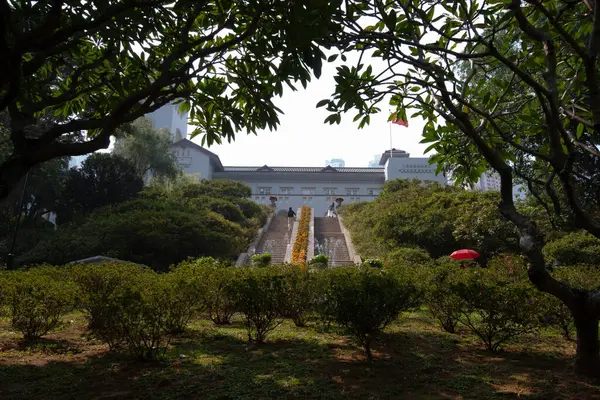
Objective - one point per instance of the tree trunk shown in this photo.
(588, 351)
(368, 352)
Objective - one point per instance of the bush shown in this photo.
(261, 260)
(300, 295)
(261, 298)
(573, 249)
(410, 256)
(373, 263)
(38, 298)
(553, 311)
(101, 289)
(444, 305)
(496, 305)
(364, 301)
(319, 260)
(129, 307)
(184, 295)
(143, 316)
(220, 297)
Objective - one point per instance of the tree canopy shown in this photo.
(157, 229)
(511, 86)
(99, 64)
(148, 149)
(102, 179)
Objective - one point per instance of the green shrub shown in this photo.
(101, 287)
(184, 295)
(261, 260)
(443, 304)
(319, 259)
(497, 305)
(553, 312)
(38, 298)
(373, 263)
(143, 316)
(220, 297)
(300, 294)
(364, 301)
(261, 298)
(573, 249)
(410, 256)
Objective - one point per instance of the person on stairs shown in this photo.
(291, 214)
(331, 211)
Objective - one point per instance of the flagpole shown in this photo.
(391, 151)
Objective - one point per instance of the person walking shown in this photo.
(291, 214)
(331, 210)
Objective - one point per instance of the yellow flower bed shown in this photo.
(301, 243)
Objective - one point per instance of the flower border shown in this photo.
(301, 244)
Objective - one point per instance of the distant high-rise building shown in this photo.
(168, 116)
(374, 163)
(336, 163)
(490, 181)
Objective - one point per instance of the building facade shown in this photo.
(169, 117)
(284, 187)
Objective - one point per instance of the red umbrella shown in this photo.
(464, 254)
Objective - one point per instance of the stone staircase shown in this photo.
(276, 239)
(329, 240)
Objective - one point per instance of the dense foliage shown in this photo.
(223, 62)
(137, 311)
(158, 229)
(437, 219)
(103, 179)
(149, 150)
(508, 86)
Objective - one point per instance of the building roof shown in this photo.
(394, 153)
(328, 169)
(188, 143)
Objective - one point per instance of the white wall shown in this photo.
(411, 168)
(168, 117)
(311, 194)
(193, 161)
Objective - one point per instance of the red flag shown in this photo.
(399, 121)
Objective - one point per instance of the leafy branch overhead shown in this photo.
(98, 64)
(504, 85)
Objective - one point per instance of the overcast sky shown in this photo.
(302, 138)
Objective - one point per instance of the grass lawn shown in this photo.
(413, 360)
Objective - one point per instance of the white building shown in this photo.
(317, 187)
(169, 117)
(490, 181)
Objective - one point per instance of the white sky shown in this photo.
(302, 138)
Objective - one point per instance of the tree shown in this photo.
(435, 218)
(513, 87)
(103, 179)
(100, 64)
(148, 149)
(157, 231)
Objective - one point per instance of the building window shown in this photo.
(329, 191)
(264, 190)
(309, 191)
(286, 190)
(351, 192)
(372, 192)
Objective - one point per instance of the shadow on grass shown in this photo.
(212, 364)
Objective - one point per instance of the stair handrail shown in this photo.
(357, 259)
